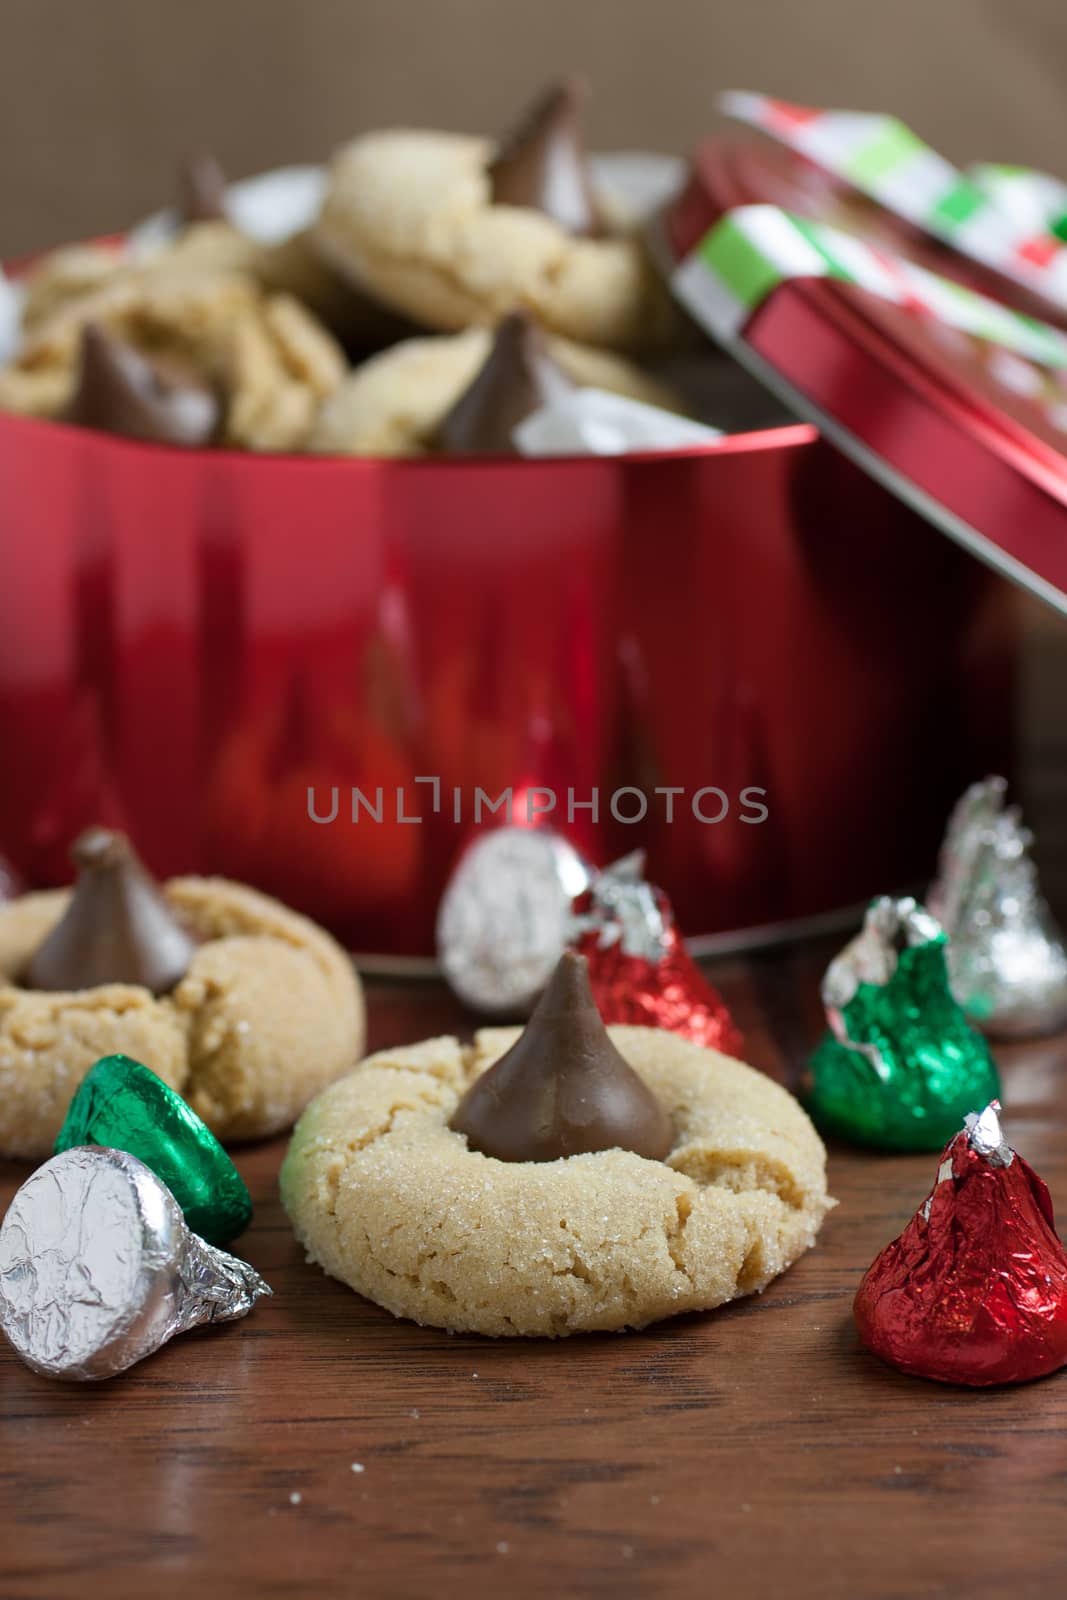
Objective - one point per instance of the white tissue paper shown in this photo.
(274, 205)
(638, 182)
(11, 297)
(593, 422)
(270, 208)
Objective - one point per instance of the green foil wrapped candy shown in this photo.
(124, 1106)
(901, 1066)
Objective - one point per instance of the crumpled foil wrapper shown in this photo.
(974, 1291)
(639, 969)
(502, 922)
(1006, 956)
(900, 1066)
(594, 422)
(98, 1268)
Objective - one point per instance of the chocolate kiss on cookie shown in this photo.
(117, 928)
(562, 1089)
(201, 189)
(542, 164)
(519, 377)
(121, 391)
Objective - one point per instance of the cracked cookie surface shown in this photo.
(269, 1013)
(384, 1196)
(408, 214)
(269, 358)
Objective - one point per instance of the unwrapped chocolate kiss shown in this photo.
(201, 188)
(518, 378)
(563, 1088)
(120, 390)
(542, 164)
(117, 927)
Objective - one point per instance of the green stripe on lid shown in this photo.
(733, 258)
(890, 148)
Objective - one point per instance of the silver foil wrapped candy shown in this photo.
(504, 917)
(1006, 956)
(626, 910)
(98, 1268)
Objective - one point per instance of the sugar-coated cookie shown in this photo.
(283, 261)
(385, 1196)
(65, 274)
(454, 231)
(294, 267)
(394, 404)
(271, 361)
(267, 1013)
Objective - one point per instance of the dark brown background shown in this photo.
(97, 95)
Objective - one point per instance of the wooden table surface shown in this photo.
(319, 1447)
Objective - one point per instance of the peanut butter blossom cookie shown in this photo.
(453, 230)
(465, 394)
(245, 1008)
(562, 1179)
(185, 348)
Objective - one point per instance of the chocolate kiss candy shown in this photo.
(122, 1105)
(201, 189)
(1006, 956)
(495, 961)
(639, 969)
(117, 928)
(563, 1088)
(542, 164)
(121, 391)
(900, 1065)
(98, 1268)
(518, 378)
(974, 1291)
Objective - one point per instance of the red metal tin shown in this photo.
(975, 438)
(747, 169)
(193, 640)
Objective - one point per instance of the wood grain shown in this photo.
(756, 1451)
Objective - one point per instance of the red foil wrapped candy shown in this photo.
(974, 1291)
(639, 969)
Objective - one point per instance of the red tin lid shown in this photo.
(960, 429)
